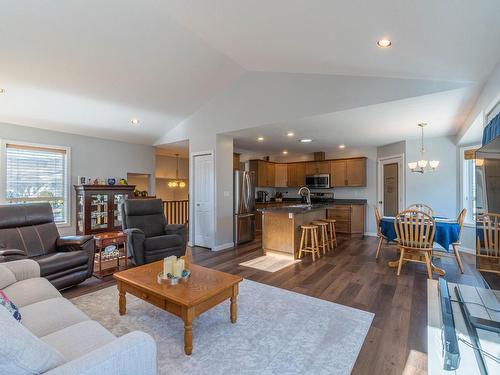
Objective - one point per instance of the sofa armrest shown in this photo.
(7, 255)
(72, 243)
(131, 354)
(179, 230)
(135, 245)
(23, 269)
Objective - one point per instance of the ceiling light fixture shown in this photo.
(290, 134)
(305, 140)
(1, 90)
(134, 121)
(177, 182)
(285, 152)
(341, 146)
(423, 165)
(260, 139)
(384, 43)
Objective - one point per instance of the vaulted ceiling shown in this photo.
(89, 67)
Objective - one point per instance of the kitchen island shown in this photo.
(281, 226)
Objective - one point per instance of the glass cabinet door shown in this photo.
(80, 209)
(99, 211)
(117, 212)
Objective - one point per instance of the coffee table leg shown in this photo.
(188, 316)
(234, 304)
(122, 300)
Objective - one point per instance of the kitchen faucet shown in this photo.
(308, 192)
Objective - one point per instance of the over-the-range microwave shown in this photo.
(318, 181)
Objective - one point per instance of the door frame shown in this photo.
(192, 196)
(400, 160)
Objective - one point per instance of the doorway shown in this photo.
(391, 198)
(203, 199)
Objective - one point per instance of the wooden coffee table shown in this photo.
(204, 289)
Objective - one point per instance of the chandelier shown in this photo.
(177, 182)
(423, 165)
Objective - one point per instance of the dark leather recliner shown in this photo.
(149, 237)
(29, 231)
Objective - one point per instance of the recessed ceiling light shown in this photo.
(341, 146)
(384, 43)
(260, 139)
(134, 121)
(290, 134)
(285, 152)
(305, 140)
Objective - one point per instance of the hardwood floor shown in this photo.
(350, 275)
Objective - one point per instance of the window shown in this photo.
(469, 182)
(35, 173)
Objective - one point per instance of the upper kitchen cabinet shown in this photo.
(236, 162)
(296, 174)
(264, 173)
(317, 167)
(348, 172)
(281, 175)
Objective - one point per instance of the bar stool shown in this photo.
(332, 236)
(324, 240)
(309, 232)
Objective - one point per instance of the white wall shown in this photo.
(91, 157)
(223, 192)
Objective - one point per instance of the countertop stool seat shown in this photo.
(309, 241)
(332, 236)
(324, 243)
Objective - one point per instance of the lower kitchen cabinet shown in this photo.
(350, 218)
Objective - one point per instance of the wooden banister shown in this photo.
(176, 212)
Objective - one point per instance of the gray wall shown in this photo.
(91, 157)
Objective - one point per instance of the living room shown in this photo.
(231, 187)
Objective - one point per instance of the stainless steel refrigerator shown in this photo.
(244, 206)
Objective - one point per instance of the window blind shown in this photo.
(37, 174)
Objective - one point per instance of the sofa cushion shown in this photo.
(10, 306)
(27, 292)
(7, 277)
(162, 242)
(21, 352)
(81, 338)
(45, 317)
(56, 262)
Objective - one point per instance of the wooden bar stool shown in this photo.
(332, 236)
(309, 232)
(324, 242)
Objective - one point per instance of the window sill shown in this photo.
(470, 225)
(63, 225)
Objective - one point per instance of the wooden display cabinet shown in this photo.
(98, 207)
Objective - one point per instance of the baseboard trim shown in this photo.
(467, 250)
(223, 246)
(371, 234)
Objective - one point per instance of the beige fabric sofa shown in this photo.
(73, 343)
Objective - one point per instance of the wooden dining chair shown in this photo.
(422, 208)
(415, 233)
(455, 245)
(488, 249)
(380, 235)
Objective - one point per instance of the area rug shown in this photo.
(277, 332)
(270, 262)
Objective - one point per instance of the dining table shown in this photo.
(447, 231)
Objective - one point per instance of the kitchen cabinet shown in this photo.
(350, 218)
(281, 175)
(264, 173)
(348, 172)
(236, 162)
(296, 174)
(317, 167)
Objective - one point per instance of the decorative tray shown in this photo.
(172, 280)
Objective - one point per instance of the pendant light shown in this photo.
(177, 182)
(423, 165)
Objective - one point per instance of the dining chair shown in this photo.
(422, 208)
(488, 248)
(415, 234)
(380, 235)
(455, 245)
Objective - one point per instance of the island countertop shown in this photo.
(297, 208)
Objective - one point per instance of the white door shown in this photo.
(391, 195)
(203, 200)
